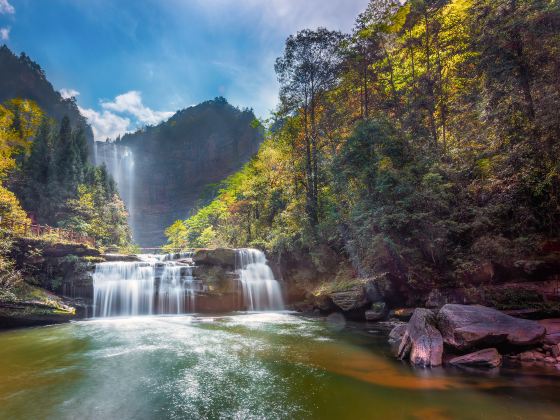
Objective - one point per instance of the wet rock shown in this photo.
(464, 327)
(555, 350)
(348, 300)
(224, 257)
(395, 338)
(549, 359)
(377, 312)
(488, 358)
(422, 339)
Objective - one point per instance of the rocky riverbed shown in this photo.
(474, 336)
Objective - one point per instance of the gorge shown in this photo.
(165, 171)
(368, 227)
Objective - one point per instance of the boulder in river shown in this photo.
(422, 339)
(465, 327)
(487, 358)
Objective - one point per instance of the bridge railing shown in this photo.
(43, 231)
(161, 250)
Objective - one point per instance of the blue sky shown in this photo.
(135, 62)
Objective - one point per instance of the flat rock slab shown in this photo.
(488, 358)
(422, 340)
(348, 300)
(224, 257)
(465, 327)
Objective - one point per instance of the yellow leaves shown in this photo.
(11, 211)
(385, 164)
(19, 121)
(399, 19)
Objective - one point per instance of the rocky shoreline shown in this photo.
(474, 336)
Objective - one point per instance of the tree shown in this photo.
(308, 69)
(176, 236)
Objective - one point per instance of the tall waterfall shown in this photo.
(261, 291)
(158, 284)
(119, 161)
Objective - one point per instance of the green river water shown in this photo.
(245, 366)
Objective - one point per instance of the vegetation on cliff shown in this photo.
(46, 178)
(175, 160)
(422, 142)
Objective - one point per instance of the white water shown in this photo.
(164, 284)
(119, 161)
(156, 285)
(261, 291)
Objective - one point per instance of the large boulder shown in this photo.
(488, 358)
(347, 300)
(224, 257)
(466, 327)
(422, 339)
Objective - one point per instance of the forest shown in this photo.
(421, 143)
(46, 178)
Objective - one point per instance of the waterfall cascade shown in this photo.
(261, 291)
(158, 284)
(164, 284)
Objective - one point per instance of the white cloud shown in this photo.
(106, 124)
(69, 93)
(131, 103)
(6, 7)
(4, 33)
(288, 16)
(114, 119)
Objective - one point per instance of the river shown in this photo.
(245, 366)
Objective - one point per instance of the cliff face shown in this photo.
(20, 77)
(162, 171)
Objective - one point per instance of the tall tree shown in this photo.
(307, 70)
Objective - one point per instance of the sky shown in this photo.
(135, 62)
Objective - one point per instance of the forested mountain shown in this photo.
(45, 176)
(164, 170)
(20, 77)
(421, 145)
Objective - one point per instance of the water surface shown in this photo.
(245, 366)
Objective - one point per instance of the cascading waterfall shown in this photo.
(261, 291)
(119, 161)
(158, 284)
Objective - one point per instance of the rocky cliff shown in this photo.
(162, 171)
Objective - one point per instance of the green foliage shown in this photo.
(423, 143)
(57, 185)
